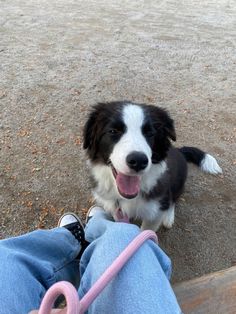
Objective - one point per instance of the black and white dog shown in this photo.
(133, 163)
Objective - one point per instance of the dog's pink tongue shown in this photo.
(128, 186)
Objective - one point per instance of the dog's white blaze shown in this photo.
(132, 140)
(210, 165)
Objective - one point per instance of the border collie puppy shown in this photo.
(134, 165)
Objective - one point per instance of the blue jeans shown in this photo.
(31, 263)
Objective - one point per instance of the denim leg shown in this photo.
(31, 263)
(142, 286)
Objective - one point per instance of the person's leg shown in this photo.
(142, 286)
(31, 263)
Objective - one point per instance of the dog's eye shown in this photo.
(114, 131)
(150, 134)
(148, 131)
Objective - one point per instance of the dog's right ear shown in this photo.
(93, 128)
(88, 131)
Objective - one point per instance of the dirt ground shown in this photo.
(59, 57)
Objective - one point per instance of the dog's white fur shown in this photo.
(210, 165)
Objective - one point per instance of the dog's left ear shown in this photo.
(89, 130)
(169, 127)
(163, 121)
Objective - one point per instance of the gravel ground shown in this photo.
(59, 57)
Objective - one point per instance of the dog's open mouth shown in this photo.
(128, 186)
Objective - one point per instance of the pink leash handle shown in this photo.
(76, 306)
(70, 294)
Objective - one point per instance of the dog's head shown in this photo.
(129, 138)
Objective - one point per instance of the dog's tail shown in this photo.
(203, 160)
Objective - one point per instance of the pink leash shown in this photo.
(76, 306)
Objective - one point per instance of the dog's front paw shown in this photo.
(151, 225)
(169, 217)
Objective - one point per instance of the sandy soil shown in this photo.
(59, 57)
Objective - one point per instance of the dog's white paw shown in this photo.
(154, 225)
(169, 217)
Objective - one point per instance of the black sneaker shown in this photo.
(72, 222)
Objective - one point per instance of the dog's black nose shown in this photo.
(137, 161)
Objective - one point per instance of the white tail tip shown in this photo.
(210, 165)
